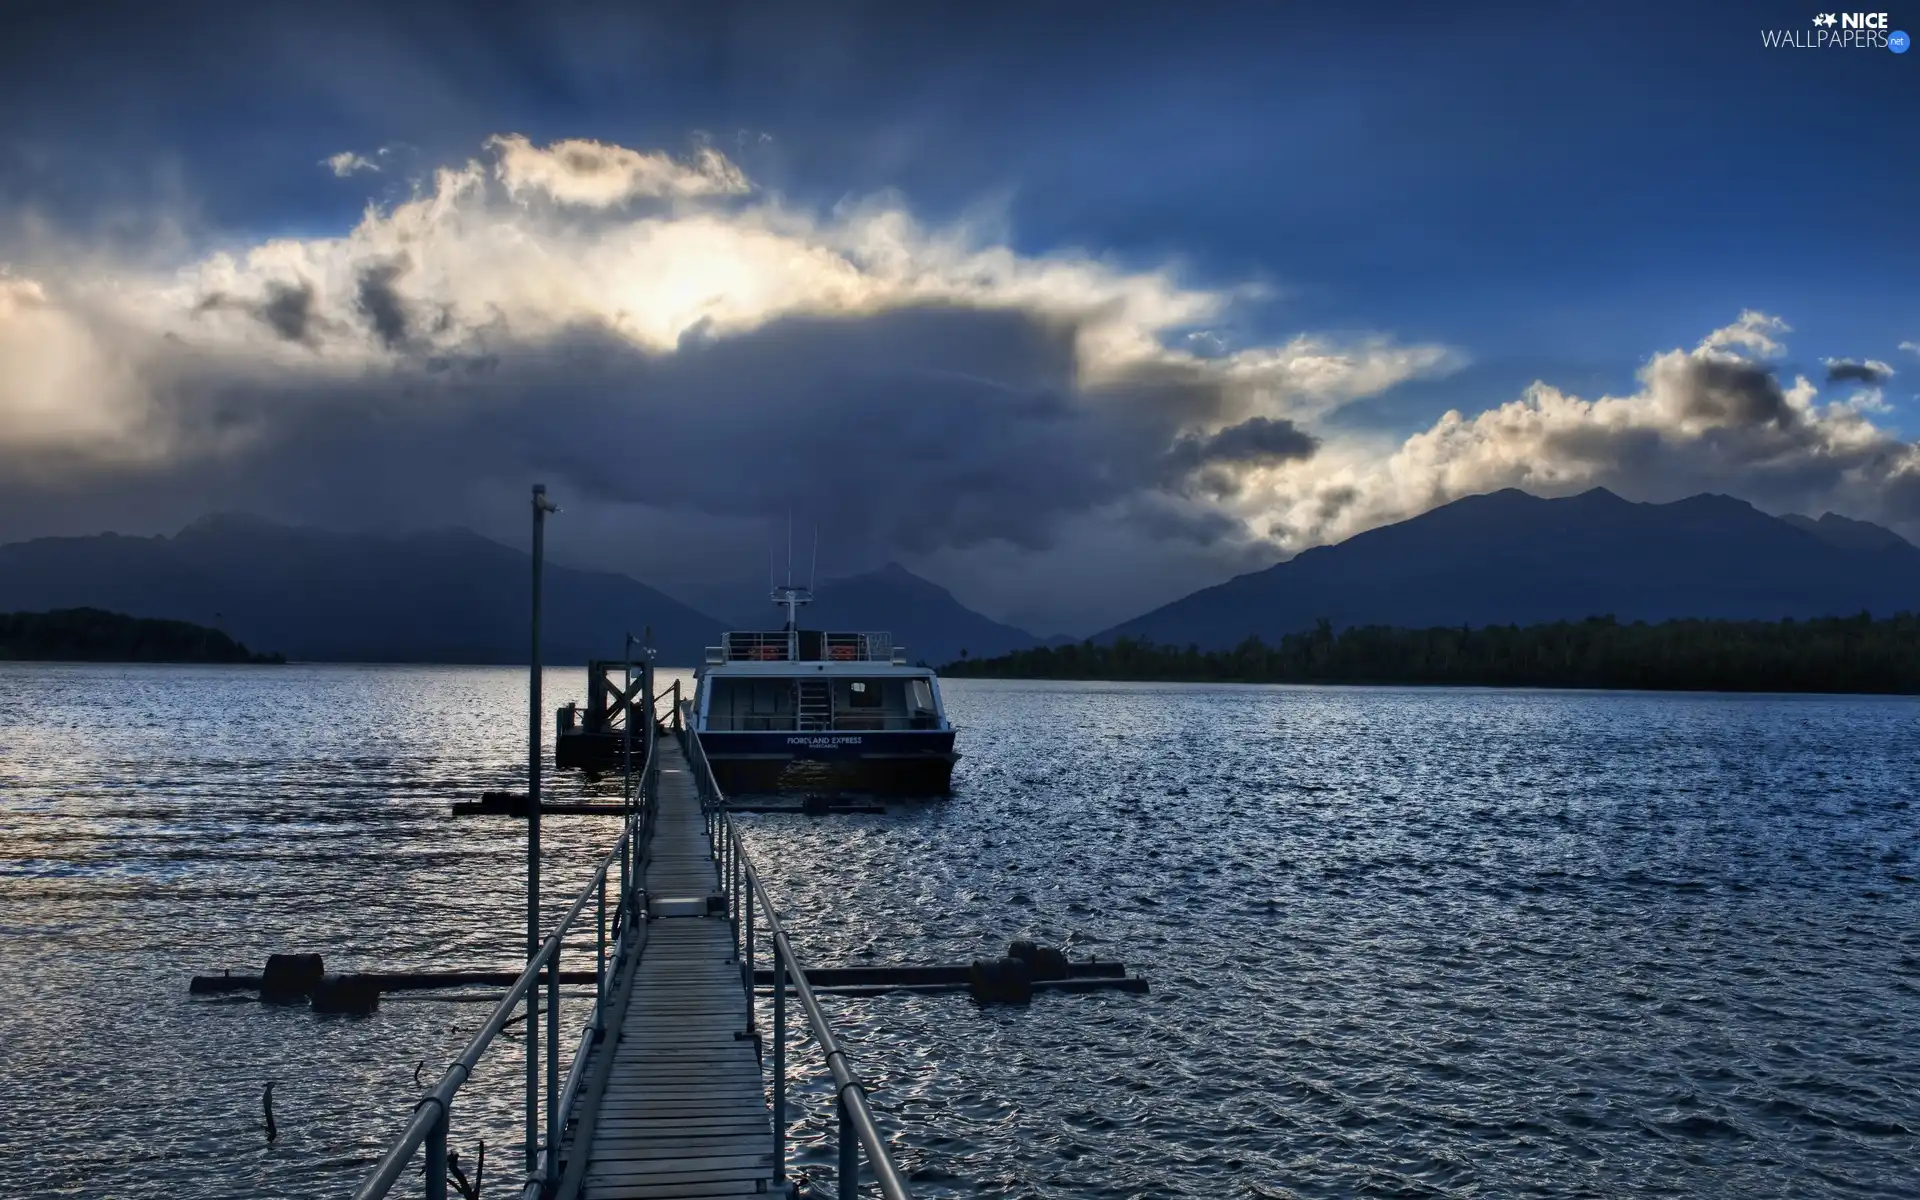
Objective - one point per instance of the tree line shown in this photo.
(94, 635)
(1832, 654)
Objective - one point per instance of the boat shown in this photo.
(809, 710)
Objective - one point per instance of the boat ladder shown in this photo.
(814, 700)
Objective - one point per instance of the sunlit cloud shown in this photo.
(1715, 418)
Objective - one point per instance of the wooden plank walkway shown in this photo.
(681, 1111)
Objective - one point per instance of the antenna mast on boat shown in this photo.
(787, 595)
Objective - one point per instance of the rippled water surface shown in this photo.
(1401, 942)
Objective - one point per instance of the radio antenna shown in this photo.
(789, 547)
(814, 573)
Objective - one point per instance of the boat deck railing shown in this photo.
(740, 881)
(785, 646)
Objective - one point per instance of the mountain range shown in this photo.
(442, 596)
(1504, 558)
(1512, 558)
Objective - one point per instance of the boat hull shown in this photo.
(897, 762)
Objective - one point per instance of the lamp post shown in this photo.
(541, 507)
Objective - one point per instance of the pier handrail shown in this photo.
(736, 866)
(429, 1123)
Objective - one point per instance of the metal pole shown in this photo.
(553, 1066)
(747, 973)
(779, 1064)
(600, 958)
(437, 1154)
(849, 1153)
(541, 506)
(626, 794)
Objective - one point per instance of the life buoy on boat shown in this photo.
(840, 653)
(767, 653)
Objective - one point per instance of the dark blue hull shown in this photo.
(907, 761)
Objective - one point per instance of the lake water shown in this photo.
(1401, 942)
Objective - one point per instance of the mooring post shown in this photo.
(553, 1066)
(779, 1062)
(746, 970)
(541, 507)
(437, 1153)
(626, 788)
(849, 1152)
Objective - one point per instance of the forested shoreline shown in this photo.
(1838, 654)
(95, 635)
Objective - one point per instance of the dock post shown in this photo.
(541, 507)
(849, 1152)
(746, 967)
(553, 1069)
(437, 1154)
(626, 782)
(600, 957)
(779, 1063)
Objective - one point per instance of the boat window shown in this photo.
(750, 704)
(862, 694)
(922, 695)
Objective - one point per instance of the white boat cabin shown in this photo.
(808, 680)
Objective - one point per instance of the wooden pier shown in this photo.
(679, 1109)
(670, 1095)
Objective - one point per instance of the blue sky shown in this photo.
(1552, 191)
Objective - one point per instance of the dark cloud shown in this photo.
(1846, 370)
(1733, 392)
(1205, 464)
(376, 299)
(1256, 441)
(288, 310)
(909, 432)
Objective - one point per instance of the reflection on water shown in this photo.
(1401, 942)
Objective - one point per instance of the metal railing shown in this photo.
(749, 647)
(429, 1124)
(740, 881)
(784, 646)
(859, 647)
(670, 698)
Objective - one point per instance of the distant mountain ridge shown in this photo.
(451, 595)
(1513, 558)
(447, 595)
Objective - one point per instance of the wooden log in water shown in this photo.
(910, 976)
(1130, 983)
(514, 804)
(800, 807)
(388, 981)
